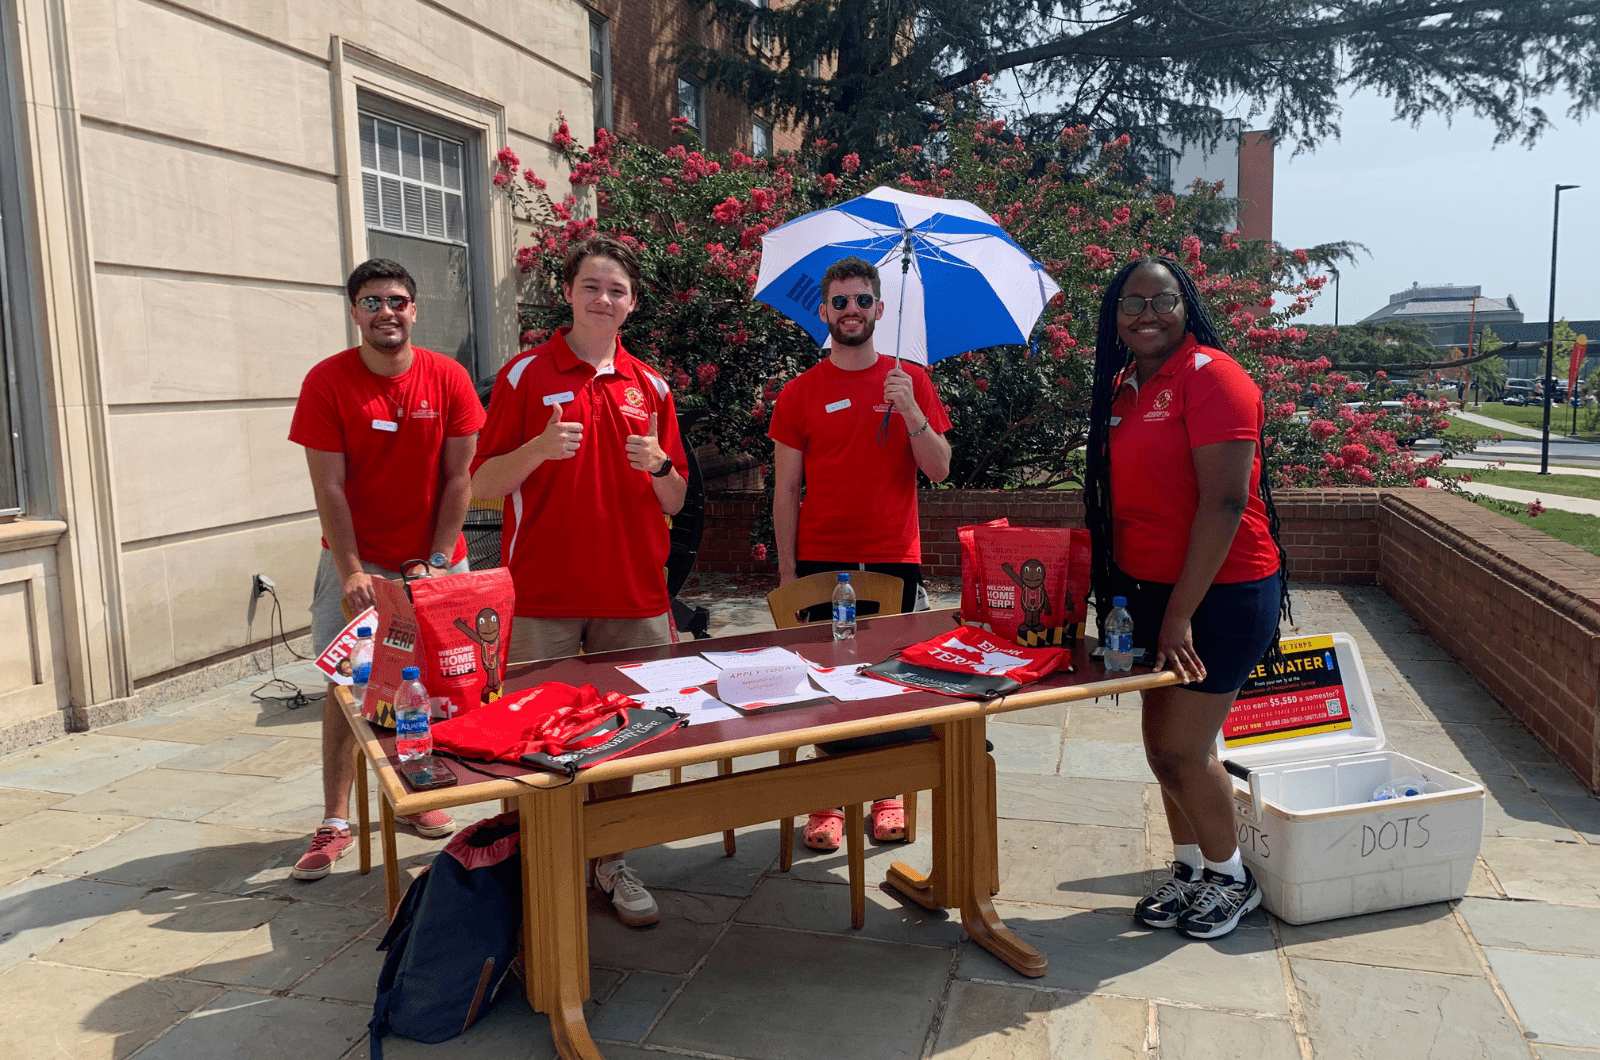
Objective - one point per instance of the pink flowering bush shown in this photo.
(1019, 413)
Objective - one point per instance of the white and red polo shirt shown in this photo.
(1200, 396)
(584, 537)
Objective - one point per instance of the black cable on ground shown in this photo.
(294, 696)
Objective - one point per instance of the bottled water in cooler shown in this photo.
(1117, 637)
(412, 736)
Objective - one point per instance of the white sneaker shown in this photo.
(634, 905)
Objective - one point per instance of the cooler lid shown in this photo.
(1316, 704)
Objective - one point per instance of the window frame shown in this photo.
(699, 88)
(604, 94)
(475, 208)
(758, 124)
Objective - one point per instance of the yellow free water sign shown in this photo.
(1298, 695)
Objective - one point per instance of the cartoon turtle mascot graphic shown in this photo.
(1034, 603)
(487, 637)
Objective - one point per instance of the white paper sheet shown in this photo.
(698, 705)
(843, 682)
(754, 687)
(670, 675)
(755, 657)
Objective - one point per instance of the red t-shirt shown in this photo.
(584, 537)
(391, 477)
(860, 502)
(1199, 397)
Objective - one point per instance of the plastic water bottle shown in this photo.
(1405, 788)
(412, 737)
(1118, 636)
(844, 608)
(361, 664)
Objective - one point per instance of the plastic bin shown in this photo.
(1317, 844)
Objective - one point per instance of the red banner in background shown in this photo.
(1580, 350)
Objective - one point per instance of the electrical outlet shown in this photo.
(260, 585)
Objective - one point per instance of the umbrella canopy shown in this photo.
(965, 283)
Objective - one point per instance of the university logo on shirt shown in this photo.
(1160, 408)
(635, 404)
(425, 412)
(1163, 399)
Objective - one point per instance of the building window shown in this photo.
(1161, 169)
(760, 137)
(692, 104)
(416, 198)
(600, 70)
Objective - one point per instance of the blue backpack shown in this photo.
(453, 938)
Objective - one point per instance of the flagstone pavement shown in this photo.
(146, 909)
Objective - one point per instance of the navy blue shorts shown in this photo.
(1232, 627)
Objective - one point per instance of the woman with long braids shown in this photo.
(1182, 525)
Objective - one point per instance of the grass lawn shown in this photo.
(1546, 485)
(1533, 416)
(1462, 429)
(1580, 530)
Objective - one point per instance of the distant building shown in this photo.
(1449, 310)
(1241, 160)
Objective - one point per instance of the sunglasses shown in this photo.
(372, 302)
(863, 301)
(1133, 304)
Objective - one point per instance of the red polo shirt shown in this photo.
(860, 502)
(391, 476)
(584, 537)
(1200, 396)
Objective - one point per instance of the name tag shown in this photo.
(1115, 420)
(836, 406)
(557, 399)
(385, 425)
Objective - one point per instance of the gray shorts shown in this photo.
(533, 639)
(327, 598)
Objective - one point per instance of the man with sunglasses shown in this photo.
(860, 506)
(389, 431)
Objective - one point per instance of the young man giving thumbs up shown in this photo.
(582, 441)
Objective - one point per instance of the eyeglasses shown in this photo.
(863, 301)
(372, 302)
(1133, 304)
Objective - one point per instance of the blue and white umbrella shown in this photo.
(952, 279)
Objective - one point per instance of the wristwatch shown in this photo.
(439, 559)
(664, 470)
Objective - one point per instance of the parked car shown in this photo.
(1517, 392)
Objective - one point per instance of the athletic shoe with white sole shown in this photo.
(328, 845)
(1162, 907)
(430, 824)
(1217, 904)
(634, 905)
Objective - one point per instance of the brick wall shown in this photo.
(1330, 535)
(1516, 608)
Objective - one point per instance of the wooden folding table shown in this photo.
(561, 831)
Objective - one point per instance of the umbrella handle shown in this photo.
(899, 326)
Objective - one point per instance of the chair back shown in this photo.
(790, 603)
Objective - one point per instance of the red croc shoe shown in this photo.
(824, 830)
(889, 821)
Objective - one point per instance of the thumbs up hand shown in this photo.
(644, 450)
(559, 440)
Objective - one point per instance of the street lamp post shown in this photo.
(1335, 295)
(1550, 340)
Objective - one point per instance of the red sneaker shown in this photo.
(328, 845)
(431, 824)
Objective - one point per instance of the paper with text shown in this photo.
(844, 682)
(669, 675)
(696, 704)
(753, 687)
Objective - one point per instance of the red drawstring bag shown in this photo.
(555, 726)
(969, 661)
(1030, 584)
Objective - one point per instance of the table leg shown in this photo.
(972, 833)
(787, 756)
(555, 916)
(391, 861)
(729, 847)
(363, 814)
(855, 842)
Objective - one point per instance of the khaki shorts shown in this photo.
(533, 639)
(327, 598)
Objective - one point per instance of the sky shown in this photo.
(1441, 204)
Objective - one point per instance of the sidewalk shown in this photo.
(146, 910)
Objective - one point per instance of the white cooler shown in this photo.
(1317, 844)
